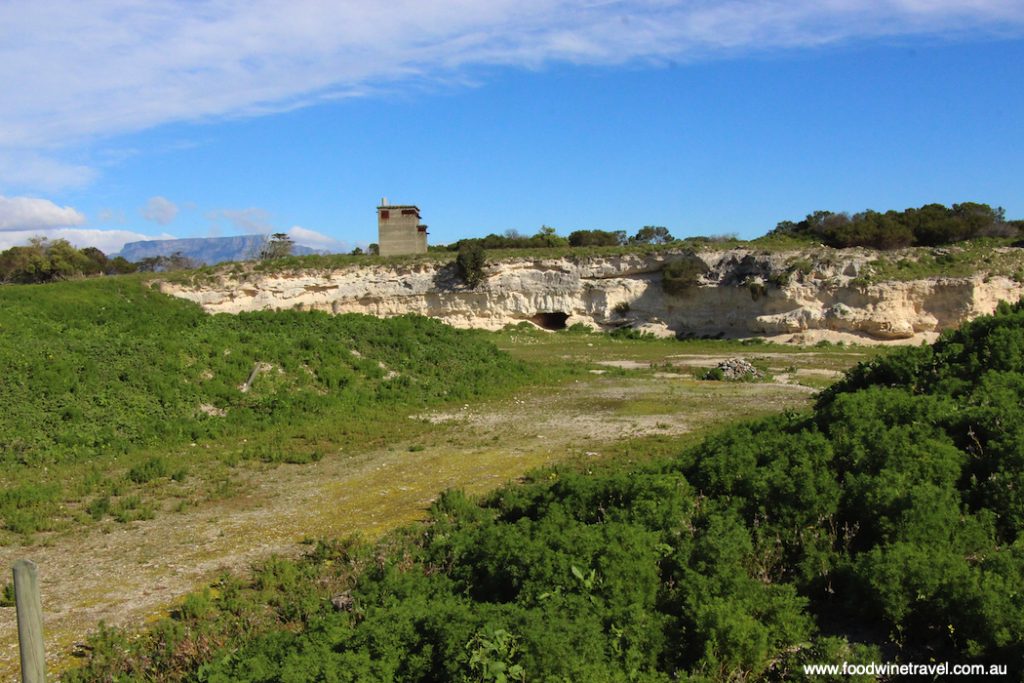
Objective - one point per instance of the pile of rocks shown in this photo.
(734, 369)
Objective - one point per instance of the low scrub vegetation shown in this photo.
(678, 276)
(930, 225)
(109, 368)
(43, 260)
(885, 525)
(470, 262)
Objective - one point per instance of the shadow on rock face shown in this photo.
(550, 321)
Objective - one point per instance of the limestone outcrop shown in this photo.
(789, 296)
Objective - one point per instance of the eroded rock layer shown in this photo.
(786, 296)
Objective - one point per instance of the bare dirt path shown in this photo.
(134, 572)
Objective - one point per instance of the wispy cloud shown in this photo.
(252, 220)
(160, 210)
(111, 216)
(104, 68)
(32, 213)
(33, 170)
(317, 240)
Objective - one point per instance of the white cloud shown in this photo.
(82, 70)
(254, 220)
(251, 220)
(160, 210)
(317, 240)
(33, 170)
(116, 216)
(31, 213)
(107, 241)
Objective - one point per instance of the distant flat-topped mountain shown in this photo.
(206, 250)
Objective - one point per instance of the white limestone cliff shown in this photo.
(744, 293)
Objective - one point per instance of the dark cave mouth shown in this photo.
(550, 321)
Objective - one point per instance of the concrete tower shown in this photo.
(399, 230)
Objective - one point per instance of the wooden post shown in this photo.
(30, 622)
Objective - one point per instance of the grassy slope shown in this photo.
(377, 479)
(107, 384)
(885, 526)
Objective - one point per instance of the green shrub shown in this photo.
(713, 374)
(148, 470)
(677, 277)
(891, 513)
(99, 508)
(470, 264)
(929, 225)
(631, 333)
(132, 509)
(597, 238)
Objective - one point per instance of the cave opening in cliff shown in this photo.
(550, 321)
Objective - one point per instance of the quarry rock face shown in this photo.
(785, 296)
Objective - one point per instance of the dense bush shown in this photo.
(929, 225)
(680, 275)
(470, 263)
(884, 526)
(547, 238)
(597, 238)
(511, 239)
(44, 260)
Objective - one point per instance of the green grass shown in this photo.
(964, 259)
(112, 389)
(527, 342)
(884, 523)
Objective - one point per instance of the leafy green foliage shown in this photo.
(44, 260)
(470, 263)
(680, 275)
(597, 238)
(889, 520)
(652, 234)
(929, 225)
(545, 238)
(110, 367)
(491, 657)
(276, 246)
(148, 470)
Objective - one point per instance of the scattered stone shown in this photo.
(734, 369)
(343, 602)
(212, 410)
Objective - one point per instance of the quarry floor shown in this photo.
(635, 397)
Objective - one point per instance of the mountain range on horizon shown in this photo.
(205, 250)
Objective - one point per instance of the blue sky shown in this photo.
(158, 118)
